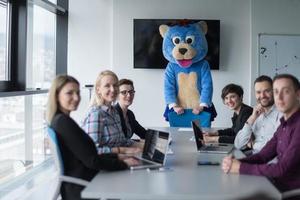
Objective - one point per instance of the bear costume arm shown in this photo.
(170, 85)
(206, 85)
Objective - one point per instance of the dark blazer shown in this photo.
(135, 126)
(79, 155)
(238, 121)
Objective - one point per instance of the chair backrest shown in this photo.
(59, 165)
(184, 120)
(291, 194)
(55, 150)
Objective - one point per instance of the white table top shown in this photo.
(184, 180)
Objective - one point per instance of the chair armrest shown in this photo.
(291, 193)
(74, 180)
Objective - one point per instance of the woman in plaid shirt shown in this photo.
(102, 122)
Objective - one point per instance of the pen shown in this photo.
(208, 163)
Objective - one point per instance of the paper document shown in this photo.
(185, 129)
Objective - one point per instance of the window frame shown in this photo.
(4, 83)
(18, 43)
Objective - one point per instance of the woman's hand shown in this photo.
(129, 160)
(139, 144)
(210, 133)
(210, 139)
(130, 150)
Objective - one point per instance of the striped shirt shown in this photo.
(103, 125)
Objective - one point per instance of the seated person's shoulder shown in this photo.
(94, 110)
(117, 107)
(130, 113)
(61, 120)
(59, 117)
(248, 108)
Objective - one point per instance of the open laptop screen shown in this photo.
(197, 133)
(156, 144)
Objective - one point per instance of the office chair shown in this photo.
(291, 194)
(184, 120)
(59, 165)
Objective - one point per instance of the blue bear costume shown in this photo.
(187, 81)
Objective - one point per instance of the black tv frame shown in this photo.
(147, 48)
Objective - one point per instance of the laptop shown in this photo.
(208, 148)
(155, 150)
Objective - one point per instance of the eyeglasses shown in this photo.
(125, 92)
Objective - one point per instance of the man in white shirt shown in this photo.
(263, 122)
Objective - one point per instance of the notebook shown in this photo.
(208, 148)
(155, 150)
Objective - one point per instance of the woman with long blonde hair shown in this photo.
(102, 121)
(79, 154)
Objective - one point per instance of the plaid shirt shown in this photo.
(104, 127)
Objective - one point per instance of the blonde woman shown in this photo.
(102, 121)
(79, 154)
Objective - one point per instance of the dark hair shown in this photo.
(232, 88)
(125, 82)
(263, 78)
(294, 80)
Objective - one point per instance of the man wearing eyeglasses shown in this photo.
(129, 124)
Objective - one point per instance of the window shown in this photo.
(4, 70)
(33, 49)
(41, 48)
(53, 1)
(23, 144)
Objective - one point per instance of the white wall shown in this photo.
(89, 43)
(235, 50)
(94, 45)
(274, 17)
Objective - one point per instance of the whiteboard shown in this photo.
(279, 54)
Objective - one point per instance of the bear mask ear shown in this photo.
(203, 26)
(163, 29)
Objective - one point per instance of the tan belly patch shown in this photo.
(188, 94)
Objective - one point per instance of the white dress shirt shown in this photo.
(263, 129)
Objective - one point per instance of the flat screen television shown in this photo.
(148, 43)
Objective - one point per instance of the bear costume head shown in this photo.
(184, 43)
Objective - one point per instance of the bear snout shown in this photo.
(182, 50)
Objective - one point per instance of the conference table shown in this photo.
(181, 178)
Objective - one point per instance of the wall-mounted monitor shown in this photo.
(148, 43)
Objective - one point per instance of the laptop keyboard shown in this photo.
(142, 162)
(211, 148)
